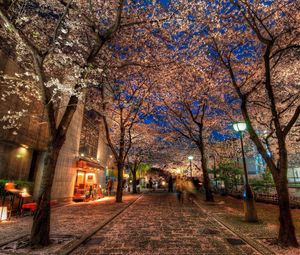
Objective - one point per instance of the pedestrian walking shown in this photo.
(150, 184)
(170, 184)
(190, 189)
(179, 189)
(109, 186)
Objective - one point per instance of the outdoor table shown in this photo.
(23, 195)
(13, 193)
(17, 193)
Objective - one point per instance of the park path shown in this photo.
(157, 224)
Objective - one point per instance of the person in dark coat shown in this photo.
(150, 184)
(170, 184)
(109, 186)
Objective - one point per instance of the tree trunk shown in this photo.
(286, 235)
(40, 231)
(206, 182)
(120, 183)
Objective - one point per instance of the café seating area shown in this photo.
(12, 201)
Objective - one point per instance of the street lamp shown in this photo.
(190, 158)
(215, 173)
(249, 203)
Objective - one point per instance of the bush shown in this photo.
(230, 173)
(263, 184)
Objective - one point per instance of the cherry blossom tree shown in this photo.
(257, 44)
(144, 141)
(192, 110)
(124, 103)
(61, 45)
(63, 48)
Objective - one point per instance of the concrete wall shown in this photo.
(15, 161)
(17, 145)
(66, 169)
(103, 155)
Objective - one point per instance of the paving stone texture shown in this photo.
(158, 224)
(75, 219)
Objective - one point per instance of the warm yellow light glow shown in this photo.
(21, 151)
(25, 146)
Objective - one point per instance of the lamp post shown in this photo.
(190, 158)
(215, 173)
(249, 203)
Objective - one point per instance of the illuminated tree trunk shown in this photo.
(41, 222)
(206, 181)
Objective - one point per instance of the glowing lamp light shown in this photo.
(163, 183)
(25, 193)
(239, 126)
(3, 213)
(25, 146)
(190, 157)
(82, 154)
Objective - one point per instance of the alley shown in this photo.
(157, 224)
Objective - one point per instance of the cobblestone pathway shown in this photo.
(158, 224)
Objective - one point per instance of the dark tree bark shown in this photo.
(206, 181)
(286, 235)
(119, 194)
(41, 222)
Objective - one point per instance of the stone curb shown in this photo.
(257, 246)
(67, 249)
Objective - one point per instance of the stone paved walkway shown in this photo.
(74, 219)
(158, 224)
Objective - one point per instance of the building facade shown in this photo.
(82, 160)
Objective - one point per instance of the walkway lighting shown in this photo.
(249, 203)
(190, 158)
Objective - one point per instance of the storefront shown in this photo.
(89, 181)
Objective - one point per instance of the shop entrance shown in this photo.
(79, 191)
(86, 186)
